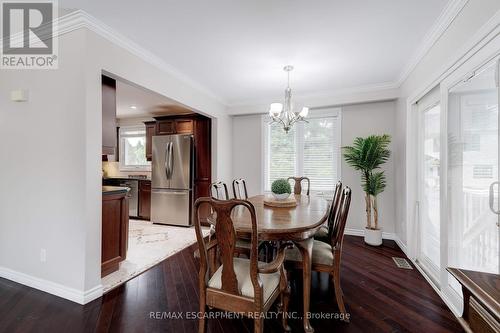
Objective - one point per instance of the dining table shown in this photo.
(296, 224)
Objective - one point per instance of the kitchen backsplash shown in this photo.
(112, 169)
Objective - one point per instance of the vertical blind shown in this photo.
(309, 149)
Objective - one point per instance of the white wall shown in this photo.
(222, 143)
(447, 50)
(43, 170)
(247, 152)
(357, 120)
(362, 120)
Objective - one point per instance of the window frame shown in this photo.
(121, 143)
(299, 142)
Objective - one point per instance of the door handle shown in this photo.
(492, 198)
(497, 74)
(167, 151)
(170, 159)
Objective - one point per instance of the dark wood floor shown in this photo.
(380, 298)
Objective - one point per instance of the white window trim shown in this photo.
(335, 112)
(123, 167)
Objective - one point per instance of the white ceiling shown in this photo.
(133, 101)
(237, 48)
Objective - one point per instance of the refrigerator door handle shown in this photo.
(167, 151)
(170, 159)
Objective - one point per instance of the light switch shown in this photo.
(19, 95)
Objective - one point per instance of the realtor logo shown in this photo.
(28, 35)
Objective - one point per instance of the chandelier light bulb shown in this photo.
(275, 109)
(304, 112)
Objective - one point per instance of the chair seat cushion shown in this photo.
(322, 235)
(270, 282)
(321, 254)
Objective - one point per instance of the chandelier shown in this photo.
(284, 114)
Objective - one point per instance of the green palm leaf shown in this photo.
(366, 155)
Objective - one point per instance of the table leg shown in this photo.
(305, 247)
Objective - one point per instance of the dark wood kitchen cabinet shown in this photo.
(165, 127)
(145, 199)
(150, 131)
(114, 228)
(183, 126)
(108, 115)
(203, 152)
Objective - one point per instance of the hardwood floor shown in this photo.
(379, 296)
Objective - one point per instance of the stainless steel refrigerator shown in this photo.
(172, 179)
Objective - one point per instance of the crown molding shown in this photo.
(448, 15)
(80, 19)
(356, 90)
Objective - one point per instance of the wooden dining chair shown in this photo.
(245, 286)
(219, 190)
(326, 256)
(240, 189)
(323, 233)
(297, 188)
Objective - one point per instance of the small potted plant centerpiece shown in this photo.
(281, 189)
(367, 155)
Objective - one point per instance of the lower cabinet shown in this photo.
(145, 199)
(114, 231)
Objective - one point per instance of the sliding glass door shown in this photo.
(473, 172)
(456, 149)
(428, 255)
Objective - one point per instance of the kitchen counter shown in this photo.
(109, 190)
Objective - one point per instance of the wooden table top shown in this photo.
(294, 223)
(484, 286)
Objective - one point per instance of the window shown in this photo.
(133, 148)
(309, 149)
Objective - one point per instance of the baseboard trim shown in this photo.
(361, 233)
(401, 245)
(445, 299)
(72, 294)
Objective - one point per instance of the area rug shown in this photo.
(149, 244)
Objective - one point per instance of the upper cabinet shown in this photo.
(108, 116)
(183, 126)
(165, 127)
(150, 131)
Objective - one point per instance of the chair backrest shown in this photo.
(334, 208)
(218, 190)
(339, 218)
(297, 188)
(240, 189)
(225, 243)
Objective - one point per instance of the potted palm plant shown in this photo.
(367, 155)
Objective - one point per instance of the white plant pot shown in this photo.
(283, 196)
(373, 237)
